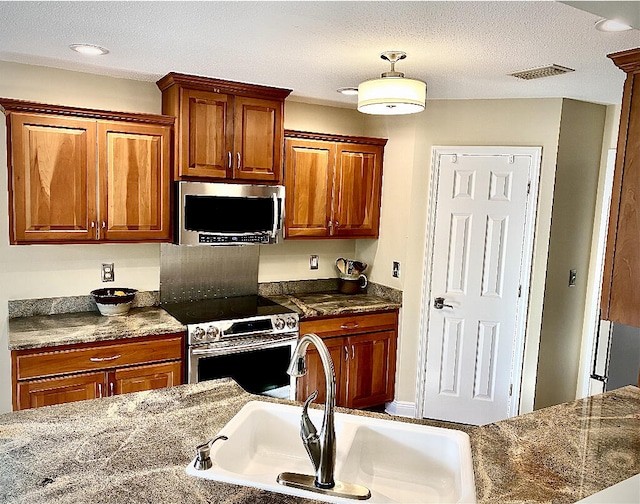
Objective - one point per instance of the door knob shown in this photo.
(438, 303)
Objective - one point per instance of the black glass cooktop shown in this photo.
(229, 308)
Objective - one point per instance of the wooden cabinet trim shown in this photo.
(68, 359)
(9, 105)
(221, 86)
(328, 137)
(628, 60)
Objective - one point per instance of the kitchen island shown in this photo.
(134, 448)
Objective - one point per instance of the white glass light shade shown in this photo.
(392, 96)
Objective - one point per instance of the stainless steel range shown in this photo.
(247, 338)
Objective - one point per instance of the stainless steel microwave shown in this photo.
(228, 214)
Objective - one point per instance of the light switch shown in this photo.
(395, 272)
(572, 277)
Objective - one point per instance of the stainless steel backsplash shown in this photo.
(194, 273)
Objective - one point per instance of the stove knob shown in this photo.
(291, 323)
(198, 333)
(213, 333)
(279, 323)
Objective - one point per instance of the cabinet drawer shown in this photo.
(41, 363)
(350, 324)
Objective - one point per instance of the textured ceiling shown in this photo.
(462, 50)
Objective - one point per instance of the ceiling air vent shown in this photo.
(538, 73)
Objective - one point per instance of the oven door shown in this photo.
(259, 367)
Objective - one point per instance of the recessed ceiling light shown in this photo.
(611, 25)
(89, 49)
(348, 90)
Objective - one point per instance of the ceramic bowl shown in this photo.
(113, 300)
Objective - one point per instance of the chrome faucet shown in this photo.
(320, 447)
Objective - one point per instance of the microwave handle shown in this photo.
(276, 216)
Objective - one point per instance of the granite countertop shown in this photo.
(134, 448)
(84, 327)
(39, 331)
(318, 304)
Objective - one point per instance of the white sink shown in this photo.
(398, 462)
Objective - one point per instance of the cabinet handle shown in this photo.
(104, 224)
(346, 353)
(104, 359)
(100, 390)
(111, 389)
(353, 352)
(238, 159)
(93, 224)
(350, 325)
(330, 224)
(229, 162)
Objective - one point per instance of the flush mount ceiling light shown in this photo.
(611, 25)
(392, 94)
(89, 49)
(348, 90)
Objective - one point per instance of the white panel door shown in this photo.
(479, 250)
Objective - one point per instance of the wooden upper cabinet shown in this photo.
(333, 185)
(620, 293)
(205, 126)
(309, 172)
(135, 177)
(52, 182)
(258, 139)
(227, 131)
(81, 175)
(358, 184)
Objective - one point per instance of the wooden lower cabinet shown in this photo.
(36, 393)
(61, 374)
(150, 377)
(363, 351)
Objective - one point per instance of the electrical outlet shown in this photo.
(313, 262)
(108, 274)
(395, 272)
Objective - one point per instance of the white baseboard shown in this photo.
(401, 408)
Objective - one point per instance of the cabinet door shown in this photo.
(206, 134)
(148, 377)
(314, 378)
(358, 184)
(36, 393)
(52, 182)
(257, 139)
(134, 163)
(308, 174)
(371, 369)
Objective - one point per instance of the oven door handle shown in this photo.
(242, 348)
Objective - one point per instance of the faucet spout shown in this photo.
(320, 447)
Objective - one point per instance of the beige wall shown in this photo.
(404, 208)
(577, 174)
